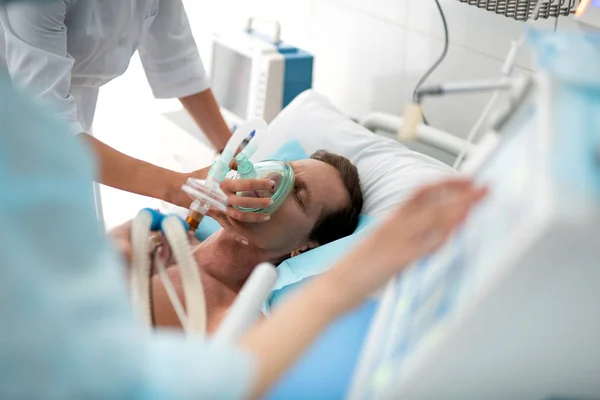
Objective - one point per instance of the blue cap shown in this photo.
(158, 218)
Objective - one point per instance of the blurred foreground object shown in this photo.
(508, 308)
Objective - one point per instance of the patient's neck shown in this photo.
(228, 261)
(225, 265)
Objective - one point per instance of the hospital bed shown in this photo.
(428, 140)
(308, 124)
(508, 308)
(390, 172)
(543, 339)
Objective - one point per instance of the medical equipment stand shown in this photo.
(388, 124)
(434, 137)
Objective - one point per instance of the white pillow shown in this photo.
(389, 171)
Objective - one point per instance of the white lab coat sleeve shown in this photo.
(35, 38)
(192, 369)
(169, 54)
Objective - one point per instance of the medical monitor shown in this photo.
(231, 72)
(255, 76)
(508, 307)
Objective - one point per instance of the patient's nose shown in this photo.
(275, 177)
(267, 193)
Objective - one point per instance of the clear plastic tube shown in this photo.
(171, 292)
(221, 167)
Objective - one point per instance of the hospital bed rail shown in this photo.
(388, 125)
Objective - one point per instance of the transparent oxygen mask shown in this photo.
(281, 173)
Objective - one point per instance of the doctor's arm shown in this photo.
(35, 36)
(123, 172)
(174, 69)
(417, 228)
(205, 111)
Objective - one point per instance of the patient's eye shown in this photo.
(298, 197)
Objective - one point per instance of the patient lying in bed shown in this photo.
(324, 206)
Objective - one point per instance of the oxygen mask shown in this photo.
(207, 194)
(279, 172)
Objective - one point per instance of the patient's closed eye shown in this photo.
(298, 197)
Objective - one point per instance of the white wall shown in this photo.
(370, 53)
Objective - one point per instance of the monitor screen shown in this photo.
(231, 73)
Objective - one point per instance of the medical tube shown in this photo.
(197, 212)
(245, 167)
(193, 290)
(140, 266)
(193, 219)
(219, 169)
(206, 194)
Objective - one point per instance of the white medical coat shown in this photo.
(62, 51)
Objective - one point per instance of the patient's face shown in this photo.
(318, 190)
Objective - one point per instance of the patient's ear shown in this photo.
(309, 246)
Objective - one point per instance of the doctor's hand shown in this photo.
(174, 195)
(426, 221)
(253, 186)
(418, 227)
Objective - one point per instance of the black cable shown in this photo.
(439, 60)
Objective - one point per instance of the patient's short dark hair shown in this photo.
(340, 223)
